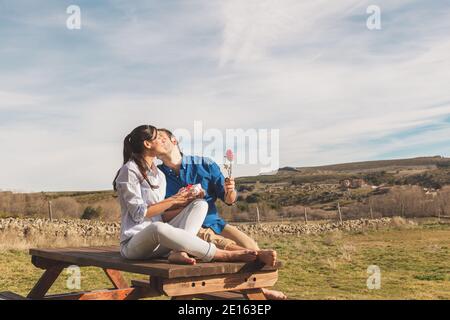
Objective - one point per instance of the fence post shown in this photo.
(306, 217)
(257, 214)
(50, 211)
(371, 211)
(340, 213)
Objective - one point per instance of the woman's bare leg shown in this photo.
(235, 256)
(242, 255)
(181, 257)
(189, 219)
(268, 257)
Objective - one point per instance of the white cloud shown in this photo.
(14, 100)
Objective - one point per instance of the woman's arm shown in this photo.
(170, 214)
(185, 199)
(165, 205)
(128, 187)
(171, 207)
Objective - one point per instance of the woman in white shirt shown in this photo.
(145, 231)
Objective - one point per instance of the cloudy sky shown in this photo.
(337, 91)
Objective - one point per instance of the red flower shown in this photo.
(229, 155)
(189, 186)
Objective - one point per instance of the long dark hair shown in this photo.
(133, 149)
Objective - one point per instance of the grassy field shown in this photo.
(414, 263)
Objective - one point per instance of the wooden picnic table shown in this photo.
(214, 280)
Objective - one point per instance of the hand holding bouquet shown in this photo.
(230, 186)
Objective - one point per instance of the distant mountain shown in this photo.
(286, 191)
(324, 173)
(385, 170)
(377, 164)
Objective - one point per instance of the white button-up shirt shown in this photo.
(135, 196)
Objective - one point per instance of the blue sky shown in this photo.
(337, 91)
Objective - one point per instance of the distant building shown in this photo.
(358, 183)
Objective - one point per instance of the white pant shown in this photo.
(179, 234)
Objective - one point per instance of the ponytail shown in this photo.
(127, 149)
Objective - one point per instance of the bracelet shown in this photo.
(235, 200)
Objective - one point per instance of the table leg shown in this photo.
(254, 294)
(45, 282)
(116, 278)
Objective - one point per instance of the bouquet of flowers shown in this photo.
(229, 157)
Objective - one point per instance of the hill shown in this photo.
(425, 171)
(380, 188)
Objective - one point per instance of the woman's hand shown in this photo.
(201, 194)
(182, 198)
(197, 192)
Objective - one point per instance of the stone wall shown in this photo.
(25, 233)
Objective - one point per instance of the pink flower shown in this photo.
(229, 155)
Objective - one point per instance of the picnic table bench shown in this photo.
(214, 280)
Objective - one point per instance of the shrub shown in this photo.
(91, 213)
(275, 206)
(243, 207)
(243, 188)
(443, 164)
(253, 198)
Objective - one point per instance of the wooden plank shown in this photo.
(113, 294)
(132, 293)
(140, 293)
(230, 295)
(103, 260)
(45, 282)
(209, 284)
(8, 295)
(110, 258)
(221, 296)
(116, 278)
(254, 294)
(152, 283)
(183, 298)
(217, 268)
(43, 263)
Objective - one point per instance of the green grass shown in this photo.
(414, 263)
